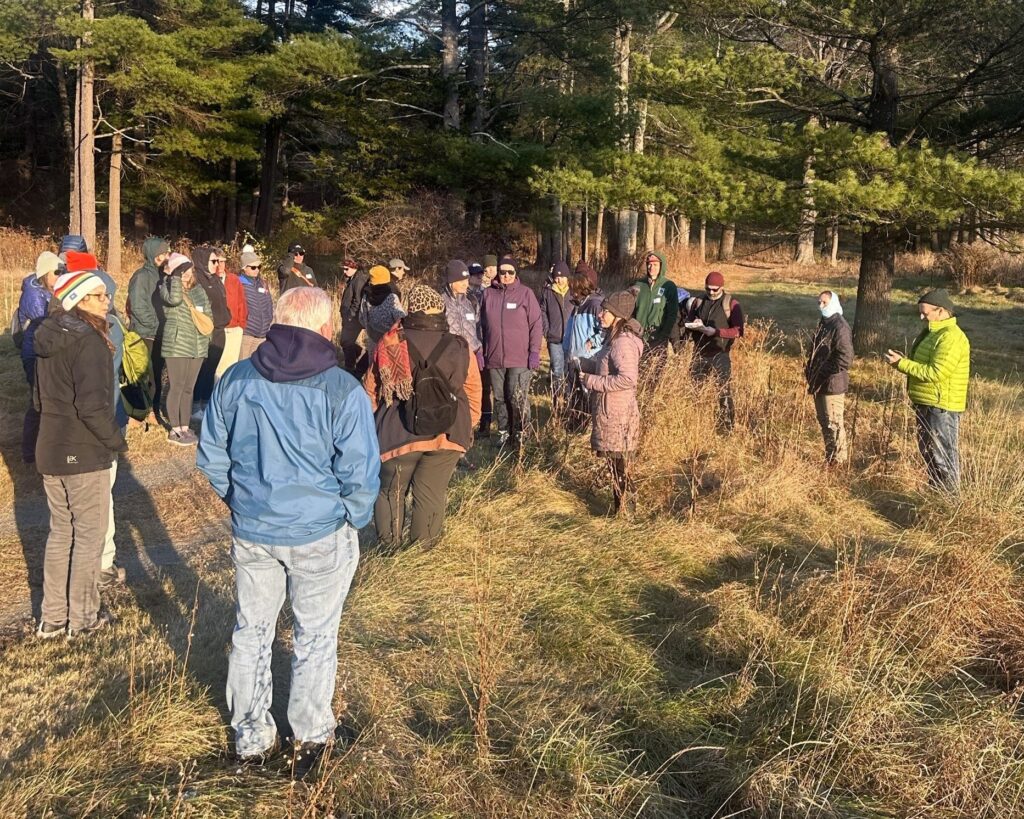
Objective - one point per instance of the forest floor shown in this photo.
(765, 637)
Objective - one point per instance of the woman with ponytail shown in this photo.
(78, 441)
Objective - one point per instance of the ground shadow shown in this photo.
(31, 522)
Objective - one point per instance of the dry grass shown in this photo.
(766, 638)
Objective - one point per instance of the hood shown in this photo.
(153, 247)
(293, 353)
(108, 282)
(664, 266)
(834, 308)
(201, 260)
(60, 332)
(73, 242)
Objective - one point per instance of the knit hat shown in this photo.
(490, 260)
(476, 269)
(73, 242)
(938, 298)
(714, 279)
(507, 261)
(75, 260)
(456, 271)
(587, 270)
(423, 299)
(246, 259)
(397, 264)
(559, 268)
(297, 250)
(379, 274)
(71, 288)
(349, 263)
(178, 263)
(621, 304)
(47, 263)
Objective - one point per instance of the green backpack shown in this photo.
(135, 376)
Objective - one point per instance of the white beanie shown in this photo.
(47, 263)
(71, 288)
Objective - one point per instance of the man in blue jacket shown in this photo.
(289, 443)
(33, 306)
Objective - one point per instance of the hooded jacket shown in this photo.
(828, 365)
(74, 371)
(291, 273)
(583, 333)
(555, 308)
(511, 324)
(32, 309)
(288, 442)
(216, 292)
(938, 368)
(612, 376)
(351, 296)
(657, 306)
(463, 314)
(181, 339)
(145, 310)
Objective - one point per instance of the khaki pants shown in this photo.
(232, 350)
(829, 409)
(249, 346)
(109, 549)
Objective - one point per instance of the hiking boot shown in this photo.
(260, 759)
(306, 757)
(502, 438)
(103, 619)
(47, 631)
(108, 577)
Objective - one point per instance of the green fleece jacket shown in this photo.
(144, 308)
(939, 367)
(657, 305)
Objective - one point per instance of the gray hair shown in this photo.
(307, 307)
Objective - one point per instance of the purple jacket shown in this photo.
(511, 325)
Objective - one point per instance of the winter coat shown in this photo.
(459, 368)
(115, 329)
(939, 367)
(463, 314)
(583, 333)
(554, 312)
(291, 273)
(657, 307)
(237, 306)
(145, 310)
(612, 376)
(288, 442)
(259, 306)
(828, 365)
(351, 295)
(377, 319)
(216, 292)
(180, 338)
(728, 325)
(511, 325)
(32, 309)
(74, 370)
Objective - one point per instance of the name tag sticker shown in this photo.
(199, 308)
(309, 275)
(470, 316)
(261, 290)
(511, 305)
(657, 300)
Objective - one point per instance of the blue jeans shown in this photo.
(317, 576)
(938, 438)
(556, 354)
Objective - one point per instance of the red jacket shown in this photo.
(236, 301)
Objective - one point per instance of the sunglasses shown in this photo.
(253, 267)
(713, 289)
(508, 272)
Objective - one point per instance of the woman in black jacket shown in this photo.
(78, 441)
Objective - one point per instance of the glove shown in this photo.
(534, 361)
(479, 359)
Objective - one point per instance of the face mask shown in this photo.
(833, 308)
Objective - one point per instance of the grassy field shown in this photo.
(765, 638)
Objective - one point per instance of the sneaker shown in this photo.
(306, 757)
(108, 577)
(189, 438)
(103, 619)
(502, 438)
(259, 759)
(174, 437)
(47, 631)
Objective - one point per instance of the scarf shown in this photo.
(394, 368)
(561, 291)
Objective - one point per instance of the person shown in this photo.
(480, 278)
(33, 306)
(293, 270)
(259, 305)
(398, 269)
(145, 310)
(204, 259)
(352, 284)
(476, 280)
(461, 311)
(555, 306)
(657, 305)
(422, 460)
(298, 492)
(237, 307)
(380, 309)
(184, 344)
(512, 328)
(611, 378)
(938, 371)
(78, 441)
(584, 337)
(714, 322)
(490, 271)
(828, 374)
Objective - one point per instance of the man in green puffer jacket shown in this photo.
(657, 304)
(938, 369)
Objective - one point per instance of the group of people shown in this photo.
(305, 452)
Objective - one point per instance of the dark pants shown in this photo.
(938, 438)
(718, 367)
(485, 402)
(159, 390)
(356, 360)
(208, 372)
(30, 427)
(511, 387)
(428, 475)
(181, 376)
(622, 483)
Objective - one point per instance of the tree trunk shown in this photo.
(83, 188)
(833, 258)
(450, 63)
(599, 243)
(808, 213)
(702, 241)
(114, 208)
(268, 178)
(477, 67)
(650, 228)
(727, 243)
(231, 214)
(683, 232)
(660, 229)
(877, 267)
(624, 233)
(585, 233)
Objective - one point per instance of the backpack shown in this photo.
(18, 328)
(135, 376)
(433, 407)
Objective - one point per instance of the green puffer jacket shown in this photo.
(181, 339)
(939, 367)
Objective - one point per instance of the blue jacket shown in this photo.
(33, 306)
(584, 335)
(289, 442)
(260, 305)
(117, 339)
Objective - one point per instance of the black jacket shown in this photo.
(214, 287)
(292, 274)
(554, 313)
(351, 295)
(828, 365)
(74, 371)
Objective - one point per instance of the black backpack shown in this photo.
(434, 405)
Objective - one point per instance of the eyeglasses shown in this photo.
(508, 272)
(102, 296)
(713, 289)
(253, 267)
